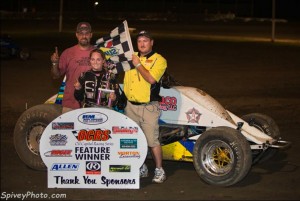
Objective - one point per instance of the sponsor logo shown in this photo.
(65, 167)
(124, 130)
(92, 135)
(92, 118)
(58, 140)
(58, 153)
(93, 143)
(93, 167)
(193, 116)
(63, 125)
(149, 61)
(129, 154)
(111, 51)
(168, 103)
(119, 168)
(128, 143)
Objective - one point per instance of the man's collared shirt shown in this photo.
(139, 90)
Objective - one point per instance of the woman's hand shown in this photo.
(112, 96)
(77, 85)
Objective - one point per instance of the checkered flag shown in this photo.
(118, 48)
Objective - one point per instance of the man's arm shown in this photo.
(145, 73)
(55, 62)
(55, 71)
(142, 70)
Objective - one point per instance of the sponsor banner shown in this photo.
(64, 167)
(128, 143)
(63, 125)
(104, 149)
(119, 168)
(92, 118)
(124, 130)
(168, 103)
(58, 140)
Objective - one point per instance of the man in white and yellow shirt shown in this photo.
(141, 87)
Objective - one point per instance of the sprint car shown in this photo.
(194, 127)
(10, 49)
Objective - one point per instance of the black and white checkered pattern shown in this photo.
(118, 48)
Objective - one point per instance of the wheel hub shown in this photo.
(33, 137)
(217, 157)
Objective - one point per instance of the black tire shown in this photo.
(268, 126)
(222, 156)
(28, 131)
(24, 54)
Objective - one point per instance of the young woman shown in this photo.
(87, 85)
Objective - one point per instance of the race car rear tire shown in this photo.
(268, 126)
(28, 131)
(222, 156)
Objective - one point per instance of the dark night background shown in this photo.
(222, 47)
(175, 10)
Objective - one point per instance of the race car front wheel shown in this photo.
(268, 126)
(28, 131)
(222, 156)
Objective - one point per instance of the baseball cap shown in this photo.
(83, 26)
(144, 33)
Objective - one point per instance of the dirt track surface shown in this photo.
(244, 77)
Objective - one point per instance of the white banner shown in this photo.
(93, 148)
